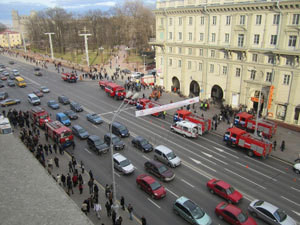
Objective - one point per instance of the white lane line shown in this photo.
(195, 160)
(95, 126)
(224, 151)
(87, 150)
(290, 200)
(117, 174)
(296, 213)
(244, 178)
(197, 170)
(248, 197)
(249, 168)
(187, 183)
(146, 157)
(172, 192)
(211, 156)
(295, 189)
(153, 203)
(257, 161)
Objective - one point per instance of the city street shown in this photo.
(202, 159)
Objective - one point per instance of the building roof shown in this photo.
(9, 31)
(29, 193)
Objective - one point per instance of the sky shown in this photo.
(77, 6)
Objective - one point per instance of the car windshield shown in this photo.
(122, 128)
(124, 163)
(43, 87)
(171, 155)
(35, 98)
(98, 142)
(280, 215)
(195, 210)
(115, 140)
(52, 102)
(144, 142)
(64, 118)
(81, 130)
(242, 217)
(162, 169)
(95, 116)
(155, 185)
(230, 190)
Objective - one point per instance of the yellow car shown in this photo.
(10, 101)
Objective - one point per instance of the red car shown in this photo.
(151, 186)
(224, 190)
(38, 93)
(233, 214)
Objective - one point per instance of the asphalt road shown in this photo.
(202, 159)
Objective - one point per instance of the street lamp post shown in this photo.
(258, 111)
(101, 52)
(116, 113)
(144, 62)
(50, 40)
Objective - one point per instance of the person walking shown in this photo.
(113, 217)
(122, 202)
(164, 114)
(80, 187)
(90, 184)
(73, 144)
(274, 145)
(96, 189)
(108, 208)
(70, 167)
(82, 167)
(84, 207)
(69, 185)
(56, 161)
(50, 148)
(46, 136)
(55, 148)
(130, 210)
(97, 209)
(119, 220)
(63, 179)
(282, 146)
(91, 174)
(144, 221)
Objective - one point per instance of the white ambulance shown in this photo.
(186, 128)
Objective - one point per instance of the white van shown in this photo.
(33, 99)
(186, 128)
(167, 156)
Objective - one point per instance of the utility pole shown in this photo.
(50, 40)
(86, 45)
(144, 62)
(24, 43)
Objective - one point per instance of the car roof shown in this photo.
(155, 163)
(52, 100)
(182, 200)
(76, 126)
(119, 157)
(163, 149)
(139, 138)
(148, 179)
(94, 137)
(223, 184)
(60, 114)
(108, 135)
(268, 206)
(233, 209)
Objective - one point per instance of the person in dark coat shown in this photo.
(282, 146)
(108, 209)
(144, 222)
(122, 202)
(113, 217)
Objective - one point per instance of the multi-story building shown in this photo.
(20, 22)
(10, 39)
(235, 51)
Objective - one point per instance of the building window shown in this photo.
(273, 39)
(213, 37)
(214, 21)
(228, 20)
(256, 39)
(202, 20)
(213, 53)
(180, 21)
(258, 19)
(241, 40)
(201, 51)
(254, 57)
(271, 59)
(289, 61)
(180, 36)
(238, 72)
(170, 21)
(269, 77)
(281, 112)
(162, 21)
(239, 56)
(225, 55)
(170, 35)
(292, 40)
(179, 50)
(200, 66)
(276, 19)
(190, 51)
(170, 62)
(189, 65)
(190, 36)
(226, 38)
(252, 74)
(170, 50)
(224, 70)
(179, 63)
(211, 68)
(286, 79)
(190, 20)
(201, 36)
(296, 19)
(242, 19)
(161, 61)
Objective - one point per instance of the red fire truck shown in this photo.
(254, 145)
(116, 91)
(247, 121)
(148, 80)
(70, 77)
(204, 124)
(59, 133)
(39, 116)
(103, 83)
(145, 103)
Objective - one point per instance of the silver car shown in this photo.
(122, 164)
(270, 213)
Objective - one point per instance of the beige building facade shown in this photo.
(233, 51)
(10, 39)
(19, 22)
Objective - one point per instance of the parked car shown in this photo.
(116, 141)
(191, 212)
(122, 164)
(137, 75)
(224, 190)
(10, 101)
(97, 145)
(269, 213)
(151, 186)
(3, 95)
(5, 73)
(63, 100)
(11, 62)
(76, 107)
(53, 104)
(3, 77)
(1, 84)
(15, 72)
(167, 156)
(80, 132)
(120, 130)
(2, 66)
(38, 73)
(233, 214)
(94, 118)
(296, 167)
(61, 117)
(71, 114)
(44, 89)
(10, 83)
(38, 93)
(142, 144)
(160, 170)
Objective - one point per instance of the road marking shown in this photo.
(197, 170)
(220, 150)
(87, 150)
(117, 174)
(32, 81)
(187, 183)
(146, 157)
(95, 126)
(290, 200)
(248, 197)
(195, 160)
(264, 164)
(244, 178)
(296, 212)
(295, 189)
(208, 155)
(172, 192)
(153, 203)
(256, 171)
